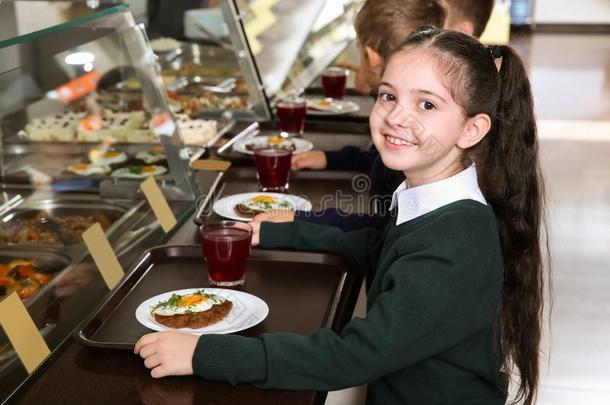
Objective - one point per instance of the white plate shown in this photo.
(248, 311)
(225, 207)
(124, 173)
(150, 158)
(317, 106)
(300, 145)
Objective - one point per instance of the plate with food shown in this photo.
(152, 155)
(329, 106)
(202, 310)
(138, 172)
(244, 207)
(88, 169)
(107, 158)
(297, 145)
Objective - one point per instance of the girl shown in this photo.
(455, 286)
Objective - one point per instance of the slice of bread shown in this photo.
(196, 320)
(248, 212)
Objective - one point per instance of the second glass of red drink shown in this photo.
(226, 247)
(291, 116)
(333, 83)
(273, 167)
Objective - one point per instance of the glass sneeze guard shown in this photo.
(294, 41)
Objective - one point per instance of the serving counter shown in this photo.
(304, 291)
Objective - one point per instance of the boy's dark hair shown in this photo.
(383, 25)
(475, 11)
(510, 178)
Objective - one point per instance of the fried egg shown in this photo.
(139, 172)
(88, 169)
(278, 141)
(186, 304)
(153, 155)
(108, 158)
(267, 203)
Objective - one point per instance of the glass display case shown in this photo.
(206, 62)
(250, 51)
(294, 41)
(84, 119)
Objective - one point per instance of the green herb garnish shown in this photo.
(135, 170)
(174, 301)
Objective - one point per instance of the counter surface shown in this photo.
(79, 374)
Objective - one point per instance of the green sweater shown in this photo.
(433, 286)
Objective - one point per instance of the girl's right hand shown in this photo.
(315, 159)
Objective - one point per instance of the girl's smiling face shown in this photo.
(416, 124)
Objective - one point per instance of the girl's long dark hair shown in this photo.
(510, 179)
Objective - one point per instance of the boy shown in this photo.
(467, 16)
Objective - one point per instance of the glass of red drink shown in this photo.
(273, 167)
(291, 116)
(333, 82)
(226, 247)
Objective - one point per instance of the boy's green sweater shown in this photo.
(433, 286)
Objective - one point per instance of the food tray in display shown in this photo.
(16, 223)
(124, 128)
(48, 261)
(311, 283)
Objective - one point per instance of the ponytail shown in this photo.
(511, 181)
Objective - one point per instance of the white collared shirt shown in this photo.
(416, 201)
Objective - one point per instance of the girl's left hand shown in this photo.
(167, 353)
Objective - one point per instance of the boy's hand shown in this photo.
(276, 216)
(315, 159)
(167, 353)
(256, 228)
(271, 216)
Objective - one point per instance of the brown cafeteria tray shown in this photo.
(301, 289)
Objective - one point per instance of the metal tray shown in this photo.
(303, 291)
(112, 213)
(49, 260)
